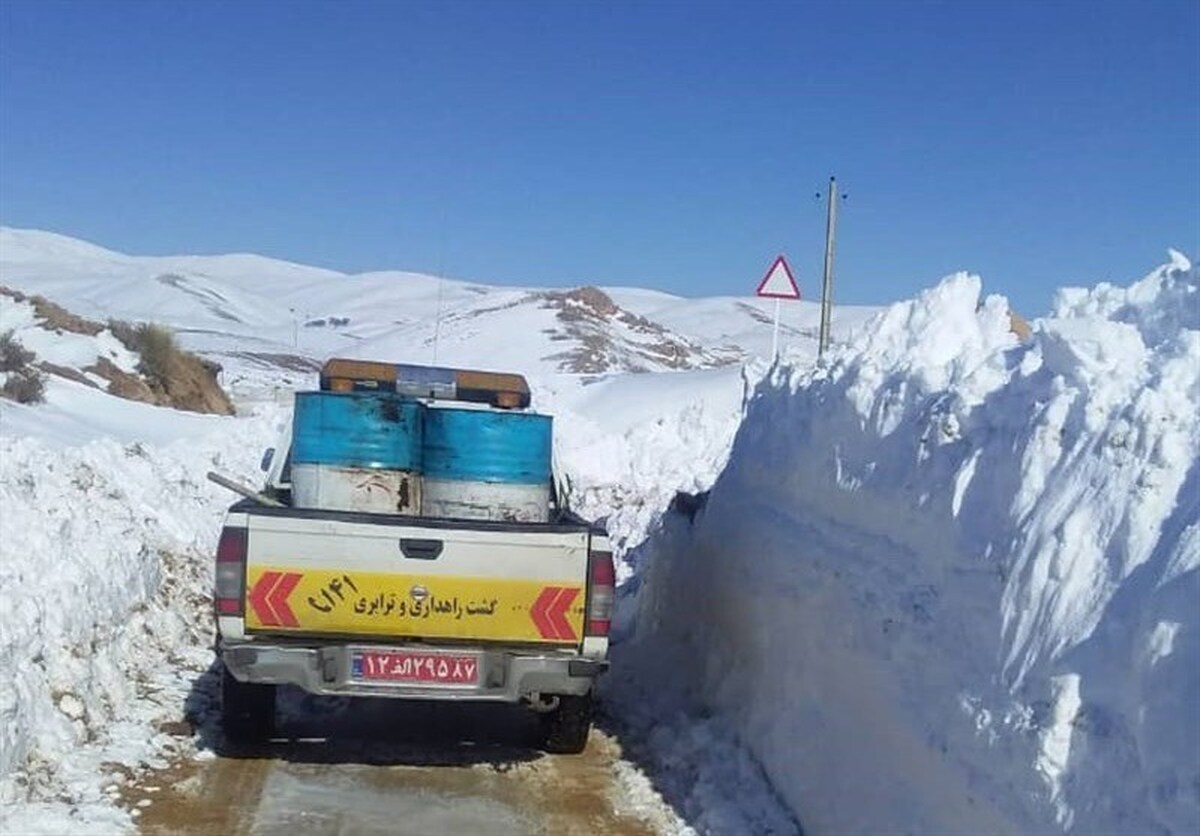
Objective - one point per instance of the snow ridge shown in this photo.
(105, 577)
(950, 580)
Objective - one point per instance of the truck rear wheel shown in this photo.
(565, 729)
(247, 709)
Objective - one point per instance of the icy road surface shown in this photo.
(397, 767)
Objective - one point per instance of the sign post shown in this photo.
(775, 335)
(777, 284)
(827, 284)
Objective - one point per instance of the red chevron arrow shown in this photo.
(549, 612)
(279, 599)
(257, 599)
(557, 613)
(538, 612)
(269, 597)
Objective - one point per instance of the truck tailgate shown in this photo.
(350, 575)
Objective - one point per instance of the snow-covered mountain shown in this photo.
(258, 311)
(270, 323)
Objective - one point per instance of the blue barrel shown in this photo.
(479, 445)
(357, 429)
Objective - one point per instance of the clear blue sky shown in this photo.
(675, 145)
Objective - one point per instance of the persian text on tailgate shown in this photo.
(327, 601)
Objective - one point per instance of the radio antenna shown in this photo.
(441, 269)
(437, 323)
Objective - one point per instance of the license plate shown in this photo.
(407, 667)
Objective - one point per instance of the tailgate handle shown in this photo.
(419, 549)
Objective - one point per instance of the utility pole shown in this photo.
(827, 285)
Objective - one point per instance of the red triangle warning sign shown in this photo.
(779, 283)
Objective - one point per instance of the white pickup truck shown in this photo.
(380, 605)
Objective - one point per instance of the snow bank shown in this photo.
(628, 443)
(105, 569)
(948, 582)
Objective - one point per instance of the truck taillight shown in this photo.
(231, 571)
(604, 589)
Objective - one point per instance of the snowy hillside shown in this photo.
(258, 312)
(950, 583)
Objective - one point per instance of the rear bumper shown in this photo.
(504, 676)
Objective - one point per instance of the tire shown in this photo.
(565, 729)
(247, 709)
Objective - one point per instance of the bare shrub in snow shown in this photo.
(22, 383)
(126, 332)
(176, 377)
(14, 357)
(155, 344)
(160, 353)
(25, 386)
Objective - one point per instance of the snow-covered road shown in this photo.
(109, 721)
(122, 729)
(388, 767)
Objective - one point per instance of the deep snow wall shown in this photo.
(105, 572)
(948, 582)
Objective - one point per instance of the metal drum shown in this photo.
(486, 464)
(356, 489)
(357, 451)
